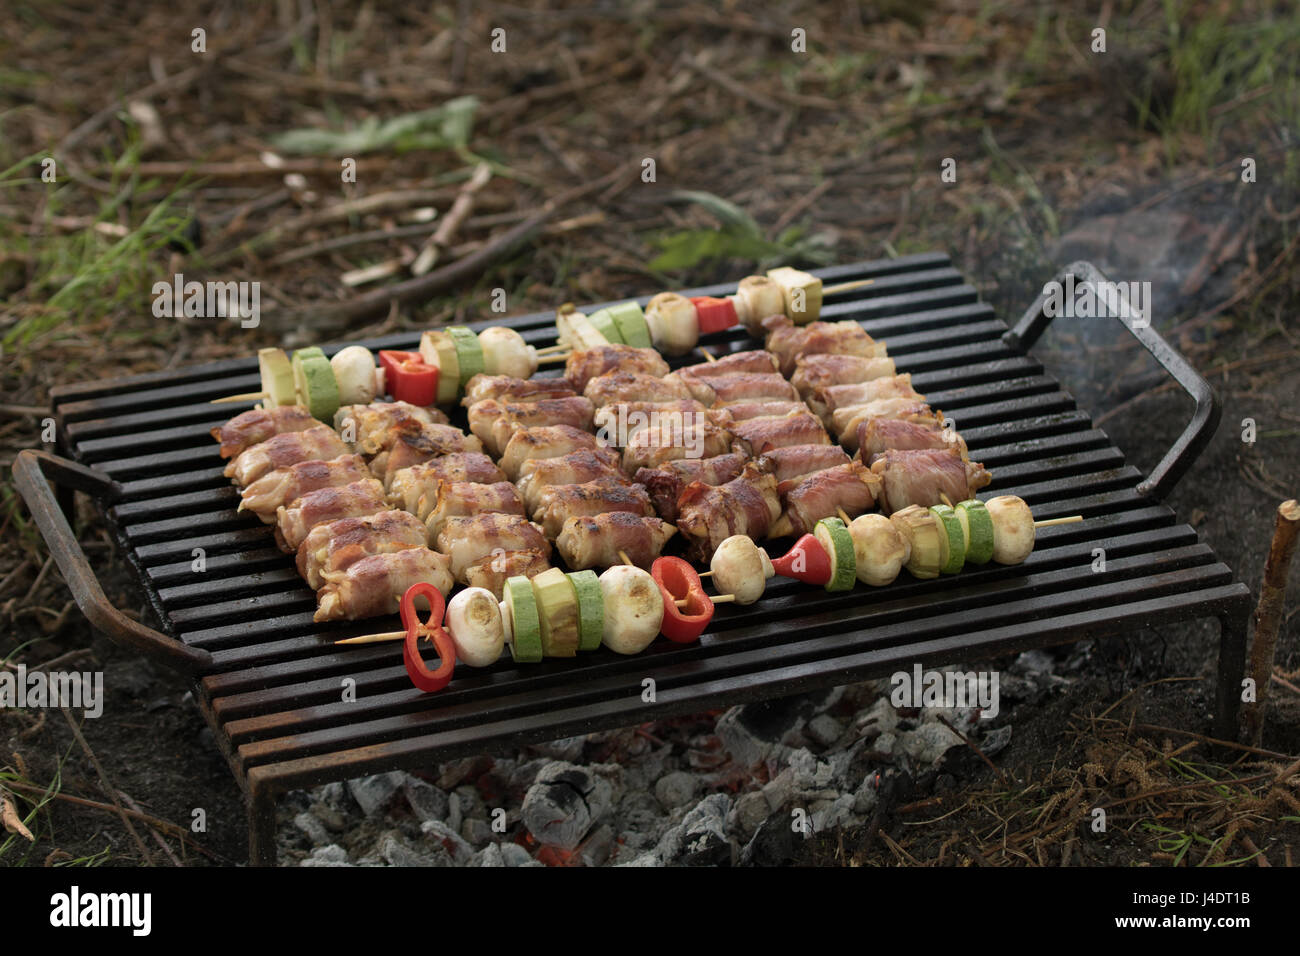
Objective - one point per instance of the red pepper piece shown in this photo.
(714, 314)
(408, 378)
(807, 561)
(677, 580)
(420, 675)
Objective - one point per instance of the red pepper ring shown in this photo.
(423, 678)
(677, 580)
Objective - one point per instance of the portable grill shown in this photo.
(270, 682)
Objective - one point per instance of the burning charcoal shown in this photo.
(332, 855)
(427, 801)
(675, 789)
(373, 793)
(398, 852)
(448, 839)
(825, 729)
(833, 813)
(514, 855)
(564, 802)
(749, 812)
(595, 850)
(704, 829)
(313, 828)
(490, 855)
(476, 831)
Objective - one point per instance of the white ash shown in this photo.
(688, 791)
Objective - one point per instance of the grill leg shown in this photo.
(261, 826)
(1232, 669)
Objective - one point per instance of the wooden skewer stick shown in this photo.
(715, 598)
(847, 286)
(548, 349)
(230, 399)
(1050, 522)
(705, 574)
(380, 638)
(945, 499)
(1268, 615)
(622, 556)
(554, 357)
(708, 356)
(844, 515)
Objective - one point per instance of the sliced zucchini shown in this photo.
(603, 322)
(438, 349)
(313, 378)
(591, 609)
(525, 627)
(277, 377)
(835, 538)
(632, 327)
(979, 530)
(469, 353)
(557, 611)
(952, 540)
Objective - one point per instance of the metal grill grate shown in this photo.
(269, 680)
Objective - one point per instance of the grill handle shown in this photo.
(1205, 419)
(33, 470)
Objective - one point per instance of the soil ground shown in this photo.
(1134, 157)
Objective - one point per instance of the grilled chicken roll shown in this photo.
(583, 365)
(726, 415)
(412, 445)
(670, 440)
(466, 540)
(666, 483)
(457, 499)
(491, 572)
(574, 468)
(845, 421)
(494, 422)
(595, 541)
(760, 435)
(283, 485)
(754, 360)
(558, 503)
(851, 486)
(623, 386)
(318, 443)
(374, 585)
(788, 341)
(369, 427)
(504, 388)
(922, 476)
(409, 484)
(820, 370)
(878, 435)
(737, 387)
(825, 401)
(708, 515)
(335, 545)
(791, 462)
(258, 424)
(294, 522)
(545, 441)
(619, 421)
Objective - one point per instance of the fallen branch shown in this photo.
(1268, 614)
(451, 223)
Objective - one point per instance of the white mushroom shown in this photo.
(354, 371)
(474, 622)
(741, 567)
(879, 548)
(634, 609)
(506, 353)
(674, 326)
(1013, 529)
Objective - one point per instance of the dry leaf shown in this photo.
(13, 823)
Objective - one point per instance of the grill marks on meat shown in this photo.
(666, 483)
(788, 341)
(282, 486)
(595, 541)
(583, 365)
(409, 484)
(821, 370)
(504, 388)
(878, 435)
(624, 386)
(669, 440)
(492, 571)
(412, 445)
(494, 422)
(547, 441)
(719, 389)
(760, 435)
(294, 523)
(372, 428)
(796, 461)
(558, 503)
(708, 515)
(258, 424)
(335, 545)
(458, 499)
(851, 486)
(574, 468)
(921, 476)
(374, 585)
(318, 443)
(466, 540)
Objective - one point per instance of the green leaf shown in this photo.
(729, 213)
(444, 127)
(687, 249)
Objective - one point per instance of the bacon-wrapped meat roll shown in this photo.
(595, 541)
(492, 571)
(737, 387)
(542, 442)
(283, 485)
(619, 421)
(583, 365)
(494, 422)
(634, 387)
(413, 445)
(825, 401)
(759, 435)
(465, 540)
(374, 585)
(504, 388)
(744, 411)
(754, 360)
(821, 370)
(852, 487)
(558, 503)
(294, 522)
(318, 443)
(788, 341)
(458, 499)
(335, 545)
(878, 435)
(670, 440)
(369, 427)
(665, 483)
(708, 515)
(409, 484)
(795, 461)
(258, 424)
(845, 421)
(920, 476)
(574, 468)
